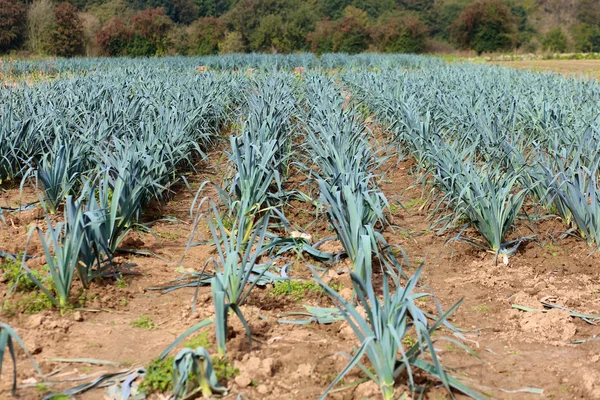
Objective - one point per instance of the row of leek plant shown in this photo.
(338, 143)
(478, 162)
(60, 133)
(107, 179)
(259, 160)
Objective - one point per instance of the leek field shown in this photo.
(293, 227)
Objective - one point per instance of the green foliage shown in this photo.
(224, 369)
(159, 376)
(15, 278)
(555, 40)
(485, 26)
(143, 322)
(402, 35)
(586, 37)
(200, 340)
(295, 289)
(30, 303)
(205, 36)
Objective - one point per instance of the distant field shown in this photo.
(588, 68)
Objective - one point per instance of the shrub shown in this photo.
(555, 40)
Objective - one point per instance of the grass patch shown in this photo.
(167, 235)
(200, 340)
(299, 289)
(413, 203)
(31, 303)
(11, 275)
(143, 322)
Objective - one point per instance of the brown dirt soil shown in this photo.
(516, 349)
(586, 68)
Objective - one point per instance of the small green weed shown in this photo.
(413, 203)
(121, 283)
(409, 341)
(159, 376)
(12, 275)
(552, 249)
(143, 322)
(167, 235)
(224, 369)
(299, 289)
(481, 308)
(201, 340)
(31, 303)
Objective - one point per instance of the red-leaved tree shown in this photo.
(114, 37)
(12, 23)
(68, 34)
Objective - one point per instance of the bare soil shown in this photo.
(577, 68)
(515, 349)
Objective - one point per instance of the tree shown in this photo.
(321, 39)
(40, 24)
(555, 40)
(402, 35)
(212, 8)
(205, 35)
(484, 26)
(416, 5)
(233, 43)
(114, 38)
(112, 9)
(150, 30)
(91, 26)
(334, 8)
(270, 35)
(12, 24)
(180, 11)
(586, 37)
(375, 8)
(442, 17)
(351, 32)
(67, 38)
(301, 21)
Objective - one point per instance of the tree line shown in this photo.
(203, 27)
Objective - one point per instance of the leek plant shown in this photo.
(488, 197)
(386, 321)
(61, 249)
(254, 182)
(57, 176)
(354, 214)
(7, 336)
(270, 118)
(576, 195)
(193, 373)
(237, 268)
